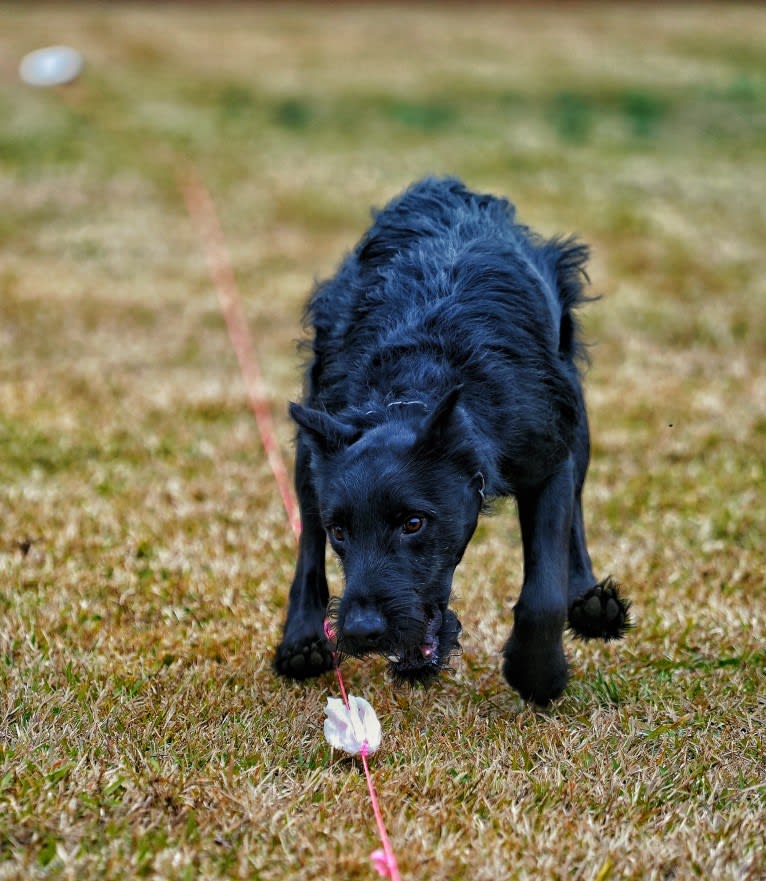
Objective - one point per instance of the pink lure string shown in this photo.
(330, 634)
(388, 851)
(389, 858)
(201, 208)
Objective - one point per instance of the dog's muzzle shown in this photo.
(364, 630)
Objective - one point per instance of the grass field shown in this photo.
(144, 554)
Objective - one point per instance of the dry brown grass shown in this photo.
(144, 557)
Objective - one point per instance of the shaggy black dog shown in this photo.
(444, 375)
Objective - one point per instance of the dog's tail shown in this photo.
(565, 259)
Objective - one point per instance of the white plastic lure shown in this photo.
(349, 728)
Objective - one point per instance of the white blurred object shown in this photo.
(349, 728)
(51, 66)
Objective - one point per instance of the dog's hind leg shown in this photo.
(304, 651)
(581, 578)
(535, 664)
(596, 611)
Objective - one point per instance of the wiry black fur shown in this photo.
(444, 373)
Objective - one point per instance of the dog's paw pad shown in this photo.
(303, 660)
(601, 613)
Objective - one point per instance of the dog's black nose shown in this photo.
(363, 623)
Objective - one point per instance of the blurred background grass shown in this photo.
(145, 559)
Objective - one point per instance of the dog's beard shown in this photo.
(417, 648)
(422, 664)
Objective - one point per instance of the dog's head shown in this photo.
(399, 501)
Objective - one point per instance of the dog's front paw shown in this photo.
(538, 677)
(601, 613)
(303, 659)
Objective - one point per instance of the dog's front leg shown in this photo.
(304, 651)
(534, 655)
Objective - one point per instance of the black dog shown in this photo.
(444, 374)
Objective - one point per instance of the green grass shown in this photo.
(145, 558)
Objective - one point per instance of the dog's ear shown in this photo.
(437, 422)
(329, 433)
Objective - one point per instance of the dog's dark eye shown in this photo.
(414, 523)
(337, 533)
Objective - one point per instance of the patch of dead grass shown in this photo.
(144, 557)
